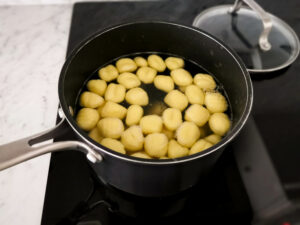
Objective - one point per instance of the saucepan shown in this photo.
(141, 177)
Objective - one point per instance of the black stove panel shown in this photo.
(75, 196)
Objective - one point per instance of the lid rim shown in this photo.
(280, 21)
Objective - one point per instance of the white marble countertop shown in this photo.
(33, 42)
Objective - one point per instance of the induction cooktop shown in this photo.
(256, 180)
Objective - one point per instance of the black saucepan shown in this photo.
(148, 178)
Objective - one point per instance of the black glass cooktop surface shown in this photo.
(240, 189)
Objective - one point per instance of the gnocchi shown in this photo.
(205, 82)
(146, 74)
(140, 61)
(142, 155)
(95, 135)
(219, 123)
(197, 114)
(111, 127)
(151, 124)
(112, 109)
(213, 138)
(108, 73)
(99, 109)
(187, 134)
(172, 118)
(164, 157)
(168, 133)
(137, 96)
(164, 83)
(182, 115)
(87, 118)
(134, 115)
(133, 138)
(215, 102)
(199, 146)
(97, 86)
(129, 80)
(194, 94)
(182, 88)
(181, 77)
(113, 144)
(175, 150)
(176, 99)
(115, 93)
(174, 63)
(126, 65)
(156, 144)
(90, 100)
(157, 63)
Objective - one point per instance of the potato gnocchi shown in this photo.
(134, 115)
(115, 93)
(129, 80)
(153, 107)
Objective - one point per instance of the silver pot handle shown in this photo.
(263, 41)
(19, 151)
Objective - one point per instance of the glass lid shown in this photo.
(264, 42)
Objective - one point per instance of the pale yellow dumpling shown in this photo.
(90, 100)
(219, 123)
(115, 93)
(182, 88)
(140, 61)
(126, 65)
(108, 73)
(134, 115)
(175, 150)
(199, 146)
(215, 102)
(213, 138)
(99, 109)
(189, 120)
(97, 86)
(151, 124)
(113, 144)
(137, 96)
(112, 109)
(187, 134)
(95, 135)
(111, 127)
(174, 63)
(181, 77)
(176, 99)
(146, 74)
(172, 118)
(133, 138)
(164, 83)
(168, 133)
(205, 82)
(156, 62)
(194, 94)
(129, 80)
(87, 118)
(197, 114)
(156, 144)
(142, 155)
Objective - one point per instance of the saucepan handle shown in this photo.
(19, 151)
